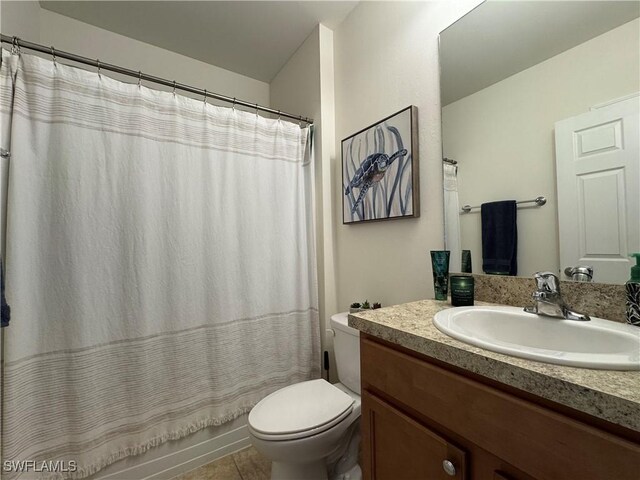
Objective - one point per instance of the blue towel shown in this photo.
(5, 310)
(499, 238)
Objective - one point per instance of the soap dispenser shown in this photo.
(633, 293)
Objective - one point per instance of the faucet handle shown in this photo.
(547, 282)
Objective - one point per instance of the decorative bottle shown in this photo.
(633, 293)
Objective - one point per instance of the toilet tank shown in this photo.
(346, 347)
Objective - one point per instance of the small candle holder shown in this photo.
(461, 290)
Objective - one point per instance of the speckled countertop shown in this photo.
(610, 395)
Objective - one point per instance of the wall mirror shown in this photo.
(540, 99)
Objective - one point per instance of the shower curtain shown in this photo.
(160, 265)
(452, 217)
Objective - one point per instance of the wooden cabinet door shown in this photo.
(396, 447)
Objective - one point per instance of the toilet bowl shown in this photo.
(310, 430)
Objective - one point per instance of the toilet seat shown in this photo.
(300, 411)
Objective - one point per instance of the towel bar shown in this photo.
(539, 201)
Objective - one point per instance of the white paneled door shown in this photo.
(598, 173)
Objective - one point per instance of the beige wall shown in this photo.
(386, 58)
(32, 23)
(20, 19)
(502, 137)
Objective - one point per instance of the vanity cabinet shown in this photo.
(418, 415)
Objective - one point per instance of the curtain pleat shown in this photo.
(160, 265)
(452, 217)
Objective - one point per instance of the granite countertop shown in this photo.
(613, 396)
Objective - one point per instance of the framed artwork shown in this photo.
(380, 170)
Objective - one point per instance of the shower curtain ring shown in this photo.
(99, 67)
(174, 87)
(139, 78)
(256, 109)
(53, 55)
(233, 105)
(279, 116)
(300, 122)
(205, 96)
(15, 46)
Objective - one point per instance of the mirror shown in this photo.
(540, 99)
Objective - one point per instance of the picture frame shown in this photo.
(380, 170)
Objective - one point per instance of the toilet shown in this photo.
(310, 430)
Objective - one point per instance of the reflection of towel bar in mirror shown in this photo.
(539, 201)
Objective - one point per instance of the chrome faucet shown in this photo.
(547, 300)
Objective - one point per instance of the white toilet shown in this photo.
(310, 430)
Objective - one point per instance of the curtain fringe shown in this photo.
(86, 471)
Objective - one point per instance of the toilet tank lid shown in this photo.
(340, 321)
(299, 407)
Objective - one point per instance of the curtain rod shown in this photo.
(17, 43)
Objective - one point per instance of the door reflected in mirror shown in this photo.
(542, 99)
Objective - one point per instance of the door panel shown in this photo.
(601, 214)
(598, 175)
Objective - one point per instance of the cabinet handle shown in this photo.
(449, 468)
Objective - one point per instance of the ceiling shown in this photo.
(498, 38)
(253, 38)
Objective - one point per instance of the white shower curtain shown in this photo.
(452, 217)
(160, 265)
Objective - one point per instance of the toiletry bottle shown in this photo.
(633, 293)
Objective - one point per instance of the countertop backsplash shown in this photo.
(596, 299)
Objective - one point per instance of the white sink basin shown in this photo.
(598, 344)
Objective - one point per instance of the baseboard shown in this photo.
(175, 463)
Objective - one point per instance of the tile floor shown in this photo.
(246, 464)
